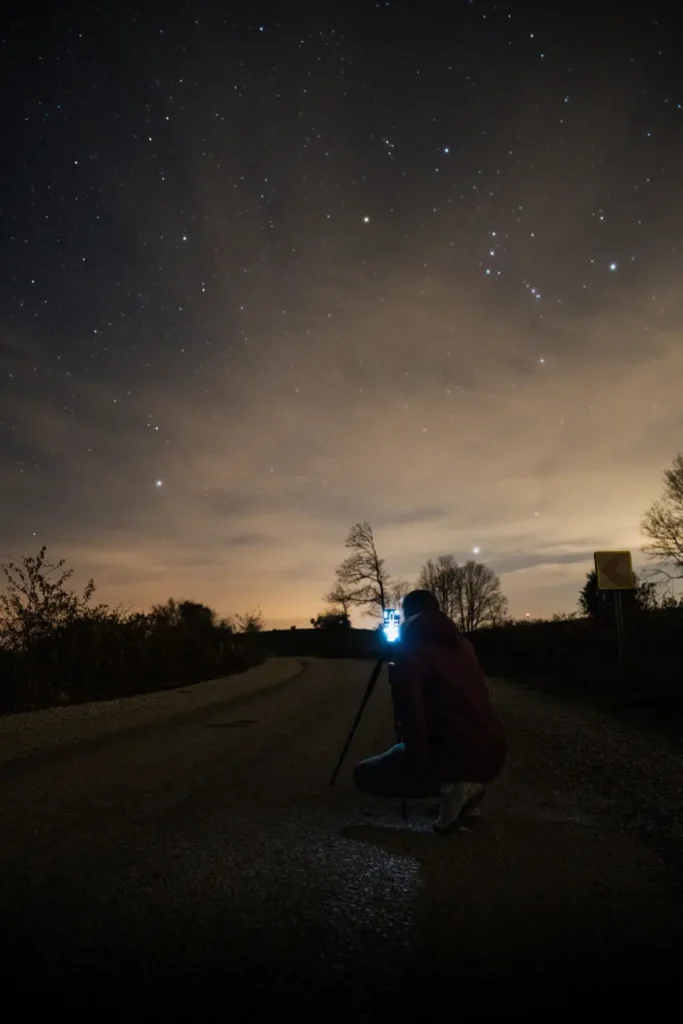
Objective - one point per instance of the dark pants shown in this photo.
(389, 775)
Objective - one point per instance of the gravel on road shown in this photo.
(37, 732)
(200, 862)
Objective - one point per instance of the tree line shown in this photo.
(471, 594)
(56, 646)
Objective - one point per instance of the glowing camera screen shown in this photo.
(392, 624)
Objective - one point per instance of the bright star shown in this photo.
(159, 483)
(366, 220)
(614, 266)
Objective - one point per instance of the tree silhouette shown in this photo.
(442, 577)
(469, 594)
(481, 601)
(339, 597)
(397, 591)
(36, 604)
(251, 621)
(663, 525)
(599, 604)
(190, 615)
(363, 573)
(331, 620)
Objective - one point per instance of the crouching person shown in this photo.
(453, 742)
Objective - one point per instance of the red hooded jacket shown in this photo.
(448, 722)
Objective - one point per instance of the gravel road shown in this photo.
(183, 853)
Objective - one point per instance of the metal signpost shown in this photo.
(614, 570)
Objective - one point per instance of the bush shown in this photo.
(56, 649)
(581, 656)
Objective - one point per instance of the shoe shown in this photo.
(458, 804)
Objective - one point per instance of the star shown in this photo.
(159, 483)
(366, 220)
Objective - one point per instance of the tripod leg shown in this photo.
(366, 697)
(404, 799)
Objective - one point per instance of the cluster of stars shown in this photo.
(246, 225)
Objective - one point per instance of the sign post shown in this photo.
(614, 570)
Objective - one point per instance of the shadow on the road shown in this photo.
(412, 838)
(232, 725)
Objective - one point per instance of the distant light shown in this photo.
(366, 220)
(446, 149)
(614, 266)
(159, 483)
(476, 551)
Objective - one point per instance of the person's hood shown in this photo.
(430, 627)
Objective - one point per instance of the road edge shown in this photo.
(29, 734)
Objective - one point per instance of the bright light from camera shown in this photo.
(392, 623)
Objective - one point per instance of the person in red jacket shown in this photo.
(453, 740)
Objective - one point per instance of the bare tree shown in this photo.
(339, 597)
(442, 578)
(663, 525)
(469, 594)
(497, 611)
(397, 591)
(363, 572)
(251, 622)
(480, 600)
(35, 603)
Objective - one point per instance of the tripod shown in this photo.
(366, 697)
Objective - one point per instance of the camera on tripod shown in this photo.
(390, 632)
(392, 625)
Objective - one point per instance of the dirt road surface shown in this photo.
(185, 854)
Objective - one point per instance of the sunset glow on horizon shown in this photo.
(266, 284)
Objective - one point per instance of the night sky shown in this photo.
(266, 274)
